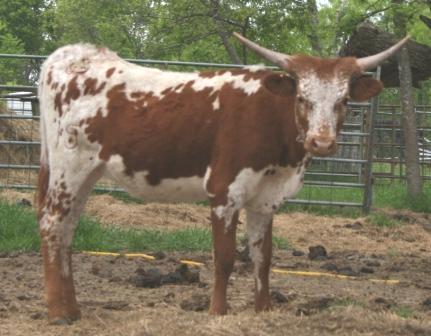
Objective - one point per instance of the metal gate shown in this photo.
(343, 180)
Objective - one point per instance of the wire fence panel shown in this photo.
(337, 181)
(389, 161)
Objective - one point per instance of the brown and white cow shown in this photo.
(240, 138)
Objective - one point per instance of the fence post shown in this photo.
(368, 193)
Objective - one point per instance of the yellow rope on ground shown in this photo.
(140, 255)
(337, 276)
(275, 270)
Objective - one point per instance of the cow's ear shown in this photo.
(364, 87)
(280, 84)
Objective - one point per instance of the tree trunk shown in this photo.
(314, 23)
(411, 152)
(223, 33)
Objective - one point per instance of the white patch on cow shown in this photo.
(255, 67)
(184, 189)
(249, 87)
(277, 188)
(239, 191)
(323, 95)
(259, 192)
(257, 226)
(205, 182)
(216, 103)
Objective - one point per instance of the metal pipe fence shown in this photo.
(389, 161)
(343, 180)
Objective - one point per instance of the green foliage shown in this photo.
(23, 20)
(10, 70)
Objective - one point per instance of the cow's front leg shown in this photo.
(224, 232)
(259, 231)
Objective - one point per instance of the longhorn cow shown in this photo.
(240, 138)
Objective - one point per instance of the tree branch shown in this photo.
(425, 20)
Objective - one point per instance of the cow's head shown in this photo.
(322, 88)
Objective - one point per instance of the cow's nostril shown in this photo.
(314, 143)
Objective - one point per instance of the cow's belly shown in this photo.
(185, 189)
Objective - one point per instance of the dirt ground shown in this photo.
(114, 301)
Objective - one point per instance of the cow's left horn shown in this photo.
(370, 62)
(282, 60)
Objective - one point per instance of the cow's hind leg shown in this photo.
(259, 231)
(63, 192)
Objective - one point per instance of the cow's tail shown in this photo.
(43, 180)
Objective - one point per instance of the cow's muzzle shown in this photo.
(320, 145)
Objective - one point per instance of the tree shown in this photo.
(411, 153)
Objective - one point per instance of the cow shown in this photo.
(240, 138)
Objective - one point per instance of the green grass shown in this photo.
(382, 220)
(385, 195)
(19, 232)
(18, 229)
(403, 312)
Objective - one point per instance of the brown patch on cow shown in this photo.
(166, 91)
(56, 203)
(269, 172)
(110, 72)
(179, 135)
(58, 102)
(42, 188)
(49, 80)
(90, 86)
(73, 91)
(324, 68)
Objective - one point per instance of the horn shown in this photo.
(277, 58)
(370, 62)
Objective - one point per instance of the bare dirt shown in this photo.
(114, 302)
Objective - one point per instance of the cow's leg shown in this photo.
(259, 231)
(224, 235)
(65, 194)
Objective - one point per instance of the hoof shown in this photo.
(59, 321)
(217, 311)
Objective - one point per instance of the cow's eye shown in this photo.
(345, 100)
(300, 99)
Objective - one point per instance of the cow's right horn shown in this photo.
(370, 62)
